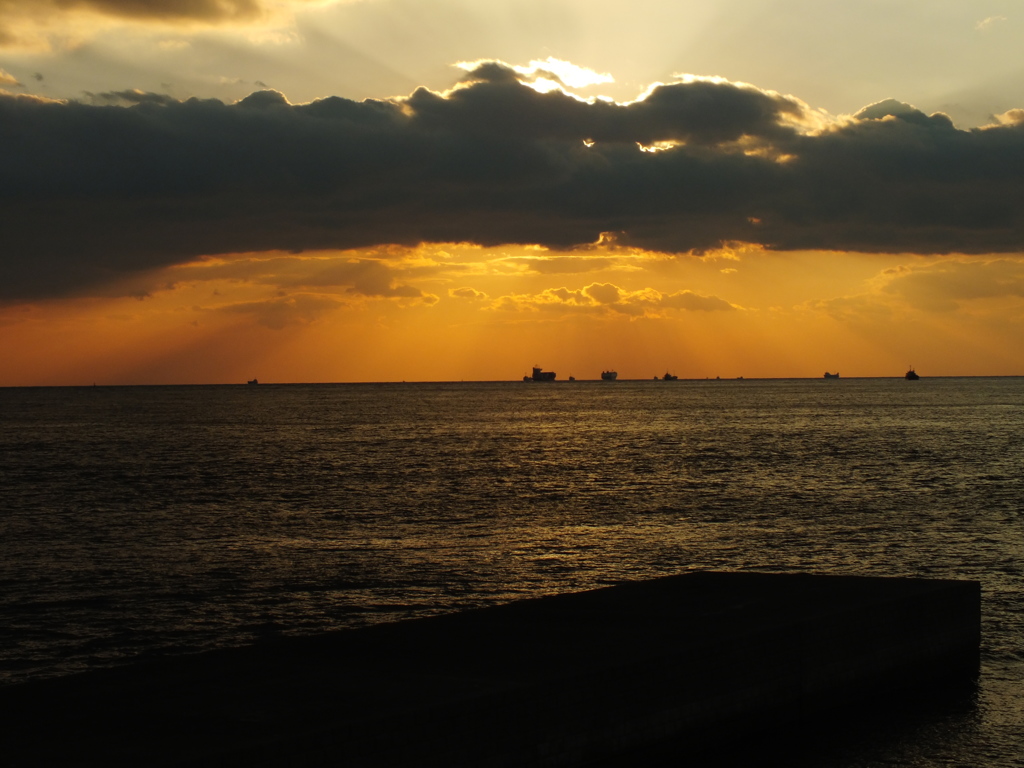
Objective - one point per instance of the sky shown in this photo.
(208, 191)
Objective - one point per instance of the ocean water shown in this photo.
(140, 521)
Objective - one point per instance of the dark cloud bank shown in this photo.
(14, 13)
(90, 193)
(165, 10)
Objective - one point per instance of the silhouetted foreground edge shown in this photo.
(554, 681)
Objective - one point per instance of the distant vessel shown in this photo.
(831, 375)
(571, 377)
(609, 375)
(911, 375)
(668, 377)
(539, 374)
(253, 381)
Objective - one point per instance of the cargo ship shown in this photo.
(539, 374)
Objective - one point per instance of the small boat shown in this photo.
(831, 375)
(609, 375)
(669, 377)
(911, 375)
(571, 377)
(253, 381)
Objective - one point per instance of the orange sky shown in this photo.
(217, 190)
(490, 314)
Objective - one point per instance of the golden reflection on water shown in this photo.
(177, 519)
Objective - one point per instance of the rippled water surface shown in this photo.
(145, 520)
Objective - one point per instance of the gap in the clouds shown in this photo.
(497, 311)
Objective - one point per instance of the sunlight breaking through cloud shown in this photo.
(547, 75)
(143, 181)
(606, 297)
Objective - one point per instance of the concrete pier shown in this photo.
(557, 681)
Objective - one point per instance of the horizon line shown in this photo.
(653, 379)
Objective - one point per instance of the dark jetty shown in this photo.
(555, 681)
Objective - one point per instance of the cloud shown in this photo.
(93, 192)
(945, 286)
(694, 302)
(467, 294)
(163, 10)
(976, 284)
(545, 75)
(893, 108)
(29, 22)
(361, 277)
(989, 22)
(606, 297)
(6, 78)
(603, 293)
(166, 9)
(564, 265)
(129, 98)
(279, 313)
(1010, 117)
(852, 309)
(494, 101)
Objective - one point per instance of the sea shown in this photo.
(146, 521)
